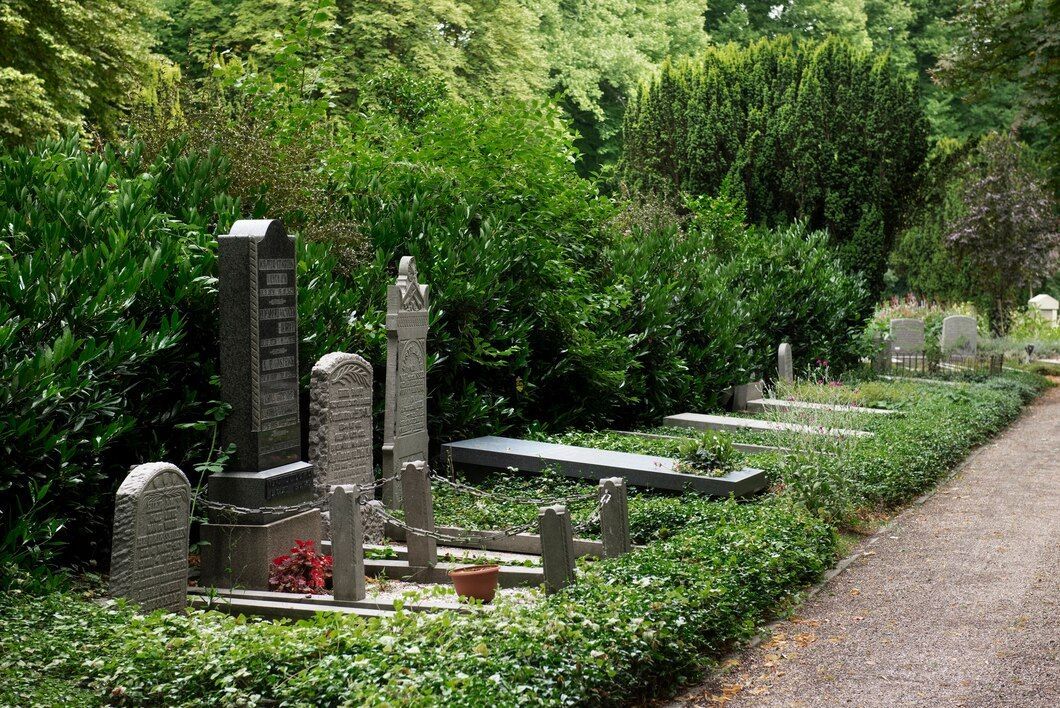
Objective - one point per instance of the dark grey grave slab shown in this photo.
(493, 453)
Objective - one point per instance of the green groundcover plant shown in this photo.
(628, 626)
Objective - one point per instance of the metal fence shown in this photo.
(931, 364)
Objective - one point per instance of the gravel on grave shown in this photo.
(391, 590)
(957, 604)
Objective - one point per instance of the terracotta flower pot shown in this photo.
(477, 581)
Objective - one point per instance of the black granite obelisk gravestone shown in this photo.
(259, 380)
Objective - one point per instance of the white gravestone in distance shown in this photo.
(1047, 306)
(405, 420)
(907, 336)
(960, 335)
(149, 557)
(785, 372)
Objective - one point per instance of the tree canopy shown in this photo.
(64, 61)
(823, 132)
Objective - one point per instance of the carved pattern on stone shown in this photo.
(255, 314)
(149, 557)
(340, 421)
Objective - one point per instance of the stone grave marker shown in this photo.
(419, 514)
(340, 421)
(960, 335)
(149, 557)
(347, 543)
(1047, 306)
(907, 336)
(497, 453)
(259, 380)
(614, 517)
(405, 420)
(785, 372)
(557, 546)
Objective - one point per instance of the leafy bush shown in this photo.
(301, 571)
(707, 306)
(708, 453)
(818, 131)
(106, 296)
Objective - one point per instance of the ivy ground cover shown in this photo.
(710, 574)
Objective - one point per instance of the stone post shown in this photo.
(149, 554)
(347, 543)
(405, 421)
(557, 547)
(419, 513)
(785, 371)
(614, 517)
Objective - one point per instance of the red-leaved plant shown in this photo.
(303, 570)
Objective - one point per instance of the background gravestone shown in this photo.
(340, 421)
(785, 372)
(1047, 306)
(960, 335)
(149, 556)
(405, 420)
(907, 336)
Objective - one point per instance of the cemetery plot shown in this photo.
(765, 405)
(497, 453)
(702, 421)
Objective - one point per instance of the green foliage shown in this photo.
(709, 454)
(629, 627)
(1015, 42)
(64, 62)
(100, 312)
(820, 132)
(1008, 234)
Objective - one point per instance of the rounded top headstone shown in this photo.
(259, 229)
(152, 474)
(1044, 302)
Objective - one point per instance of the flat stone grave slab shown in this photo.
(702, 421)
(739, 447)
(496, 453)
(268, 603)
(764, 405)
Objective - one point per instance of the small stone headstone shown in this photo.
(960, 335)
(149, 557)
(557, 546)
(340, 421)
(614, 517)
(419, 514)
(347, 543)
(785, 371)
(907, 336)
(1047, 306)
(405, 421)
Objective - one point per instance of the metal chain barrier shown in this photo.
(446, 538)
(476, 492)
(321, 503)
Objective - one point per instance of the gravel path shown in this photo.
(957, 604)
